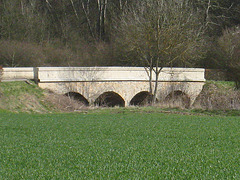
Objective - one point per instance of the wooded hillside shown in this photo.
(91, 32)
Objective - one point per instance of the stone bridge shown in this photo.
(122, 86)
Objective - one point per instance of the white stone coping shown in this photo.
(17, 73)
(118, 68)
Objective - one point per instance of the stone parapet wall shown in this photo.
(18, 74)
(83, 74)
(98, 74)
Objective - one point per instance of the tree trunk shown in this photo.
(157, 72)
(150, 80)
(86, 12)
(102, 7)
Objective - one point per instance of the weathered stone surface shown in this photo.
(16, 74)
(126, 89)
(91, 82)
(56, 74)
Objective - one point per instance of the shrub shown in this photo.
(230, 46)
(15, 53)
(59, 56)
(0, 73)
(218, 96)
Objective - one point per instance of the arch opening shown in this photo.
(178, 99)
(141, 99)
(77, 97)
(110, 99)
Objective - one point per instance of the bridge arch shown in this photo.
(178, 99)
(110, 99)
(142, 98)
(78, 97)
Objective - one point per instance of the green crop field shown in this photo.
(119, 145)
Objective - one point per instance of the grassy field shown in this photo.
(119, 144)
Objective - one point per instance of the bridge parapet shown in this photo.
(17, 73)
(91, 74)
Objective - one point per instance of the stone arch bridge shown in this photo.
(121, 86)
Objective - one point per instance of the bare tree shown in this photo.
(102, 8)
(160, 33)
(85, 7)
(217, 14)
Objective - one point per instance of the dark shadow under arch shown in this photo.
(178, 99)
(78, 97)
(110, 99)
(141, 99)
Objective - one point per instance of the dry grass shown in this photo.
(64, 103)
(218, 96)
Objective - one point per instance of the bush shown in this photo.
(15, 53)
(230, 47)
(218, 96)
(0, 73)
(216, 75)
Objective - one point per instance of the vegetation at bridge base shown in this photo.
(22, 97)
(28, 97)
(217, 97)
(126, 145)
